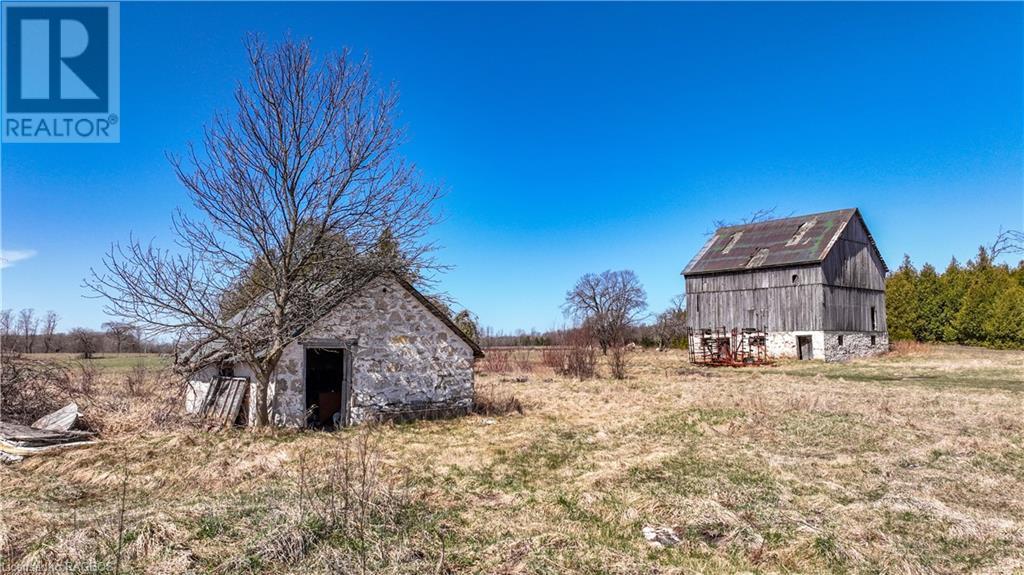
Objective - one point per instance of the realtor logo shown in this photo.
(61, 72)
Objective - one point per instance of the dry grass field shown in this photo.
(909, 463)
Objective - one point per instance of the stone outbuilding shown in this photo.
(387, 353)
(812, 286)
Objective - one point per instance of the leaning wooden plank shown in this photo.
(225, 399)
(239, 387)
(61, 420)
(209, 398)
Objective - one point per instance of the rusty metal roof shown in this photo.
(784, 242)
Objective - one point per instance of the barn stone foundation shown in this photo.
(782, 344)
(855, 344)
(825, 344)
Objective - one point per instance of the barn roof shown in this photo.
(795, 240)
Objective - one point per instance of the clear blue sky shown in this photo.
(578, 137)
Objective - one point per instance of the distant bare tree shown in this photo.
(758, 215)
(28, 328)
(121, 333)
(304, 201)
(50, 330)
(670, 325)
(6, 328)
(85, 341)
(609, 303)
(1006, 242)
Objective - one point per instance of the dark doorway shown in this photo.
(804, 348)
(327, 387)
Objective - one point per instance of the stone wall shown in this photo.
(855, 344)
(825, 344)
(404, 359)
(782, 344)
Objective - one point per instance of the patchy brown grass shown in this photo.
(910, 463)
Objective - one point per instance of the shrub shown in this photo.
(555, 358)
(497, 361)
(490, 401)
(581, 354)
(30, 389)
(523, 361)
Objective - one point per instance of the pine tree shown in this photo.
(901, 301)
(955, 282)
(1004, 326)
(984, 284)
(931, 316)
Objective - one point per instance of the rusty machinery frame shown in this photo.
(734, 348)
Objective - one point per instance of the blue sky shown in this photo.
(577, 137)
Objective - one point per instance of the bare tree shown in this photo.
(6, 327)
(121, 332)
(28, 328)
(610, 303)
(758, 215)
(304, 201)
(50, 330)
(670, 325)
(85, 341)
(1006, 242)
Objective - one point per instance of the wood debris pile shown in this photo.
(48, 434)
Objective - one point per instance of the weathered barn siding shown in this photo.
(853, 261)
(849, 309)
(780, 309)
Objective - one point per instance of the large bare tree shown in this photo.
(6, 327)
(28, 328)
(50, 330)
(670, 325)
(301, 199)
(610, 304)
(120, 331)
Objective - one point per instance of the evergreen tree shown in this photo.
(931, 313)
(984, 284)
(1004, 326)
(981, 303)
(955, 282)
(901, 301)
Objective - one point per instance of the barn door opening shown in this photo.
(804, 348)
(327, 387)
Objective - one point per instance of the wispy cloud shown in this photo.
(8, 257)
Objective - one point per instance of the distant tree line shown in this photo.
(26, 332)
(980, 303)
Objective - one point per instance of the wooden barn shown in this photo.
(810, 287)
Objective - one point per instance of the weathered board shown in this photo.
(61, 420)
(223, 400)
